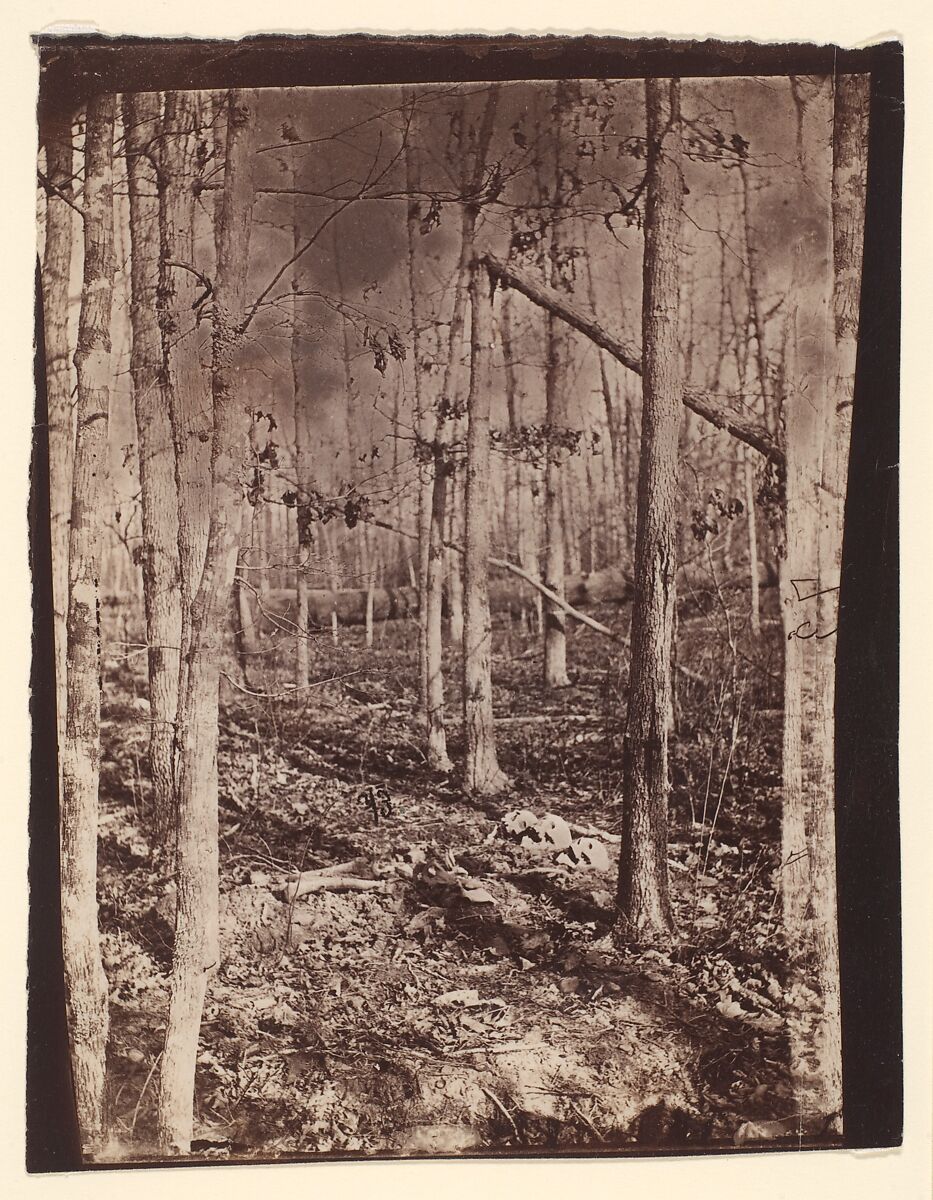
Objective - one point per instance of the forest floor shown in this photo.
(472, 998)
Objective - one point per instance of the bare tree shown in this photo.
(299, 409)
(196, 949)
(85, 982)
(159, 495)
(566, 95)
(56, 278)
(482, 773)
(180, 298)
(818, 425)
(643, 895)
(437, 737)
(422, 416)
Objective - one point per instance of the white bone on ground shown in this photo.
(555, 831)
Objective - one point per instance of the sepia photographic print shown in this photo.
(464, 546)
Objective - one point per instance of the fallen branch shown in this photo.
(505, 565)
(340, 877)
(699, 402)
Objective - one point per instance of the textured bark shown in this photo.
(818, 432)
(558, 350)
(56, 277)
(184, 387)
(159, 495)
(85, 982)
(482, 773)
(643, 896)
(437, 736)
(698, 401)
(196, 949)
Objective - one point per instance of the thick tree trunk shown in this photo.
(196, 925)
(159, 495)
(56, 279)
(85, 982)
(817, 450)
(644, 899)
(482, 773)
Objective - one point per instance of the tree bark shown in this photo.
(56, 279)
(184, 391)
(818, 428)
(818, 448)
(196, 950)
(85, 982)
(850, 140)
(555, 631)
(643, 894)
(699, 402)
(437, 737)
(482, 773)
(159, 495)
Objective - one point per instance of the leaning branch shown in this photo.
(699, 402)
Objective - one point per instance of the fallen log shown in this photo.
(609, 586)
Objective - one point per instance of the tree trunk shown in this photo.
(482, 773)
(454, 588)
(246, 626)
(56, 279)
(523, 505)
(300, 401)
(85, 982)
(616, 495)
(644, 899)
(555, 632)
(423, 423)
(437, 736)
(159, 495)
(751, 521)
(196, 925)
(818, 429)
(183, 388)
